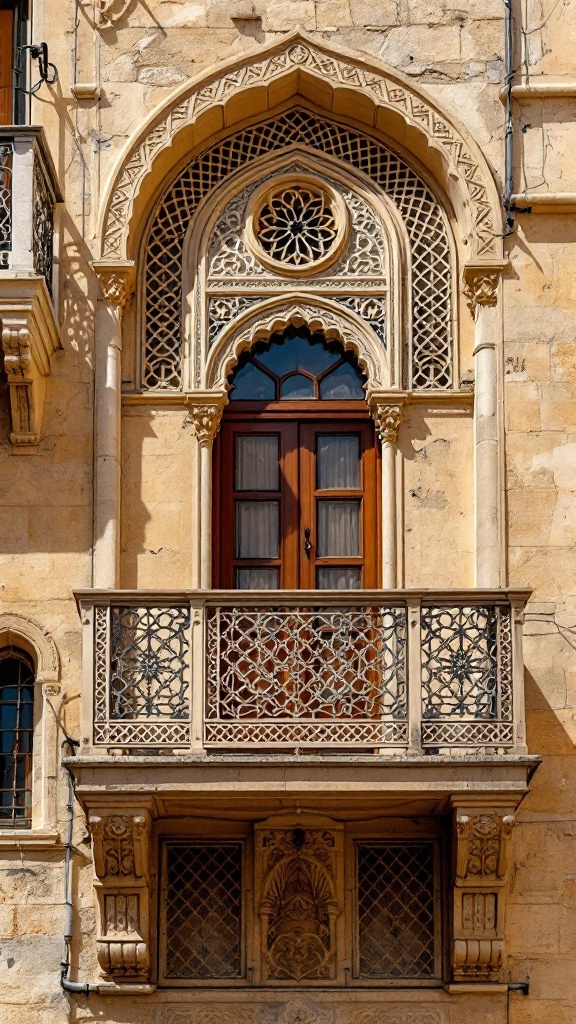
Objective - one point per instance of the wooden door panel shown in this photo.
(6, 63)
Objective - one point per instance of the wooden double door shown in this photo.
(296, 504)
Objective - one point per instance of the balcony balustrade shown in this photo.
(396, 672)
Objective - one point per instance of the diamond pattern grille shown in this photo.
(396, 925)
(203, 905)
(430, 362)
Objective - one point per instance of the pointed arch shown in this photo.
(362, 91)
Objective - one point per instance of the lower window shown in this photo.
(271, 909)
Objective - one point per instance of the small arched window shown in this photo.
(16, 737)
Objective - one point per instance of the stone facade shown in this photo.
(103, 485)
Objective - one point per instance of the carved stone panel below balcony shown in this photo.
(120, 838)
(29, 338)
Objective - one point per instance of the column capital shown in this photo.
(205, 410)
(386, 410)
(116, 278)
(480, 283)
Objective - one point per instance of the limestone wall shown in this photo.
(136, 55)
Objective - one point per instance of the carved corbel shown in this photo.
(481, 855)
(386, 409)
(205, 410)
(26, 383)
(120, 846)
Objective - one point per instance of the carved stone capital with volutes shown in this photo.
(120, 845)
(481, 842)
(205, 410)
(386, 408)
(116, 280)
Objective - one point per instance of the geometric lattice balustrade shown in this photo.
(406, 670)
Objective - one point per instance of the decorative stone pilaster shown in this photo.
(116, 281)
(120, 845)
(481, 853)
(386, 410)
(481, 287)
(205, 410)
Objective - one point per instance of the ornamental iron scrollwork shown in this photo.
(42, 226)
(149, 657)
(6, 156)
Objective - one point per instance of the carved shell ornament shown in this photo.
(296, 226)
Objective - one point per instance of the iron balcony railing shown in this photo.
(28, 194)
(400, 671)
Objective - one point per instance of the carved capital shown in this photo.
(480, 284)
(386, 410)
(116, 280)
(205, 410)
(482, 845)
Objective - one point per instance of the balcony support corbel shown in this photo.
(205, 410)
(120, 838)
(386, 410)
(116, 281)
(481, 852)
(481, 289)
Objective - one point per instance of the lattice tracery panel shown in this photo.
(431, 358)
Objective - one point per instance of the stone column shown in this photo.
(51, 693)
(481, 291)
(386, 410)
(204, 412)
(116, 282)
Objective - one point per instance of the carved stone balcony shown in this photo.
(29, 193)
(402, 674)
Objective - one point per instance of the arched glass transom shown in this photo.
(297, 366)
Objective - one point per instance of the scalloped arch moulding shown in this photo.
(24, 632)
(343, 83)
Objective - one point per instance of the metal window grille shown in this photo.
(202, 911)
(396, 918)
(16, 734)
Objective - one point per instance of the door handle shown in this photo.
(307, 541)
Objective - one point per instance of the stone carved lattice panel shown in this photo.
(5, 204)
(297, 226)
(396, 921)
(431, 361)
(290, 675)
(222, 309)
(466, 676)
(298, 904)
(202, 907)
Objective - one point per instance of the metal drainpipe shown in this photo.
(508, 125)
(82, 988)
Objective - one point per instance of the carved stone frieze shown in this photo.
(205, 410)
(399, 1015)
(299, 1010)
(298, 903)
(481, 845)
(204, 1014)
(120, 843)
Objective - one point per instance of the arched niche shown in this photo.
(361, 91)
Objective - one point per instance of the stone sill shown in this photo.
(29, 839)
(466, 988)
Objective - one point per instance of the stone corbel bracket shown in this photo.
(29, 337)
(481, 854)
(120, 839)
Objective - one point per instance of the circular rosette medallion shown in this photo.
(297, 227)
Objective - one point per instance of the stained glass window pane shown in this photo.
(252, 385)
(345, 382)
(297, 386)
